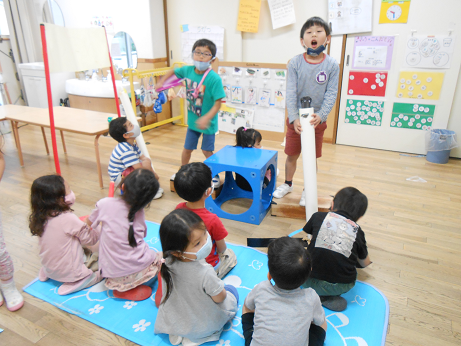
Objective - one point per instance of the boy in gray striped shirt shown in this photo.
(312, 74)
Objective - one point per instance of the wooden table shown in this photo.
(65, 119)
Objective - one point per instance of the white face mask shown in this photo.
(136, 131)
(203, 252)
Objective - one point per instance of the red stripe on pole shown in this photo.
(113, 75)
(50, 100)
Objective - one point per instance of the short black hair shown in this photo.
(117, 128)
(192, 180)
(315, 21)
(203, 42)
(289, 263)
(352, 201)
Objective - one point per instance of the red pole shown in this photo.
(113, 75)
(50, 100)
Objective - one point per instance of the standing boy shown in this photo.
(312, 74)
(283, 313)
(204, 93)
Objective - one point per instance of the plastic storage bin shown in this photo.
(439, 144)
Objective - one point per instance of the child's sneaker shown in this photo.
(302, 201)
(216, 181)
(282, 190)
(159, 193)
(14, 300)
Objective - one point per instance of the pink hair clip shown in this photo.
(244, 129)
(162, 260)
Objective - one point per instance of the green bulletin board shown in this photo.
(412, 116)
(364, 112)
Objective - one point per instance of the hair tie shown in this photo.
(131, 223)
(162, 260)
(244, 129)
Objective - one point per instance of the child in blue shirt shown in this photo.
(204, 93)
(312, 74)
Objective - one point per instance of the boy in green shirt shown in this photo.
(204, 92)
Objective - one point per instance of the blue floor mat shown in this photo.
(363, 323)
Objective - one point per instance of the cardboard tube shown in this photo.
(309, 161)
(132, 117)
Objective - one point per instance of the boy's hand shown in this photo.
(297, 126)
(159, 84)
(203, 123)
(315, 120)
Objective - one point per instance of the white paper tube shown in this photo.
(309, 161)
(131, 117)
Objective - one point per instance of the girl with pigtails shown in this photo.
(125, 260)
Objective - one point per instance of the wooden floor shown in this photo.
(413, 230)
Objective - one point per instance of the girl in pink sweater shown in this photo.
(125, 259)
(62, 235)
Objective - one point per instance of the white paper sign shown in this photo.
(192, 33)
(429, 51)
(349, 16)
(366, 56)
(282, 13)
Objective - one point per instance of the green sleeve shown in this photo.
(180, 72)
(217, 90)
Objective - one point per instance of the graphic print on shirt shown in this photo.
(337, 234)
(194, 104)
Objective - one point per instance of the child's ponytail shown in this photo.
(175, 231)
(139, 189)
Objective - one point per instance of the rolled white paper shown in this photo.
(131, 117)
(309, 161)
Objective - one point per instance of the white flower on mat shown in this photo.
(223, 343)
(256, 264)
(97, 308)
(359, 300)
(129, 305)
(141, 326)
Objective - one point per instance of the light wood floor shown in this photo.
(413, 230)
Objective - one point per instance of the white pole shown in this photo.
(132, 117)
(309, 161)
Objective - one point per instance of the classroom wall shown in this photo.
(454, 123)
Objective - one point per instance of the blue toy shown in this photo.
(251, 163)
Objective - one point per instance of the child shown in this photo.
(312, 74)
(338, 245)
(124, 257)
(126, 157)
(249, 138)
(195, 303)
(61, 235)
(204, 94)
(193, 183)
(14, 299)
(283, 313)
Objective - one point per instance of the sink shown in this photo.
(97, 88)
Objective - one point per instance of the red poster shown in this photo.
(367, 83)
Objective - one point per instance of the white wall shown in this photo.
(8, 74)
(454, 123)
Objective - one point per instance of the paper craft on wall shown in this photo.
(429, 51)
(412, 116)
(248, 18)
(367, 83)
(227, 90)
(280, 74)
(230, 118)
(250, 72)
(192, 33)
(222, 71)
(266, 73)
(349, 16)
(420, 85)
(373, 52)
(279, 98)
(250, 96)
(364, 112)
(237, 71)
(237, 94)
(282, 13)
(264, 97)
(393, 11)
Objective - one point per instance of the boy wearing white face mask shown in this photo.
(126, 157)
(204, 94)
(312, 74)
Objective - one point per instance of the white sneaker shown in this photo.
(302, 201)
(173, 176)
(282, 190)
(175, 339)
(159, 193)
(216, 181)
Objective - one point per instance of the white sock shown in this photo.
(10, 293)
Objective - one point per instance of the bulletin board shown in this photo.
(266, 104)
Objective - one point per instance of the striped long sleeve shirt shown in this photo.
(123, 156)
(319, 81)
